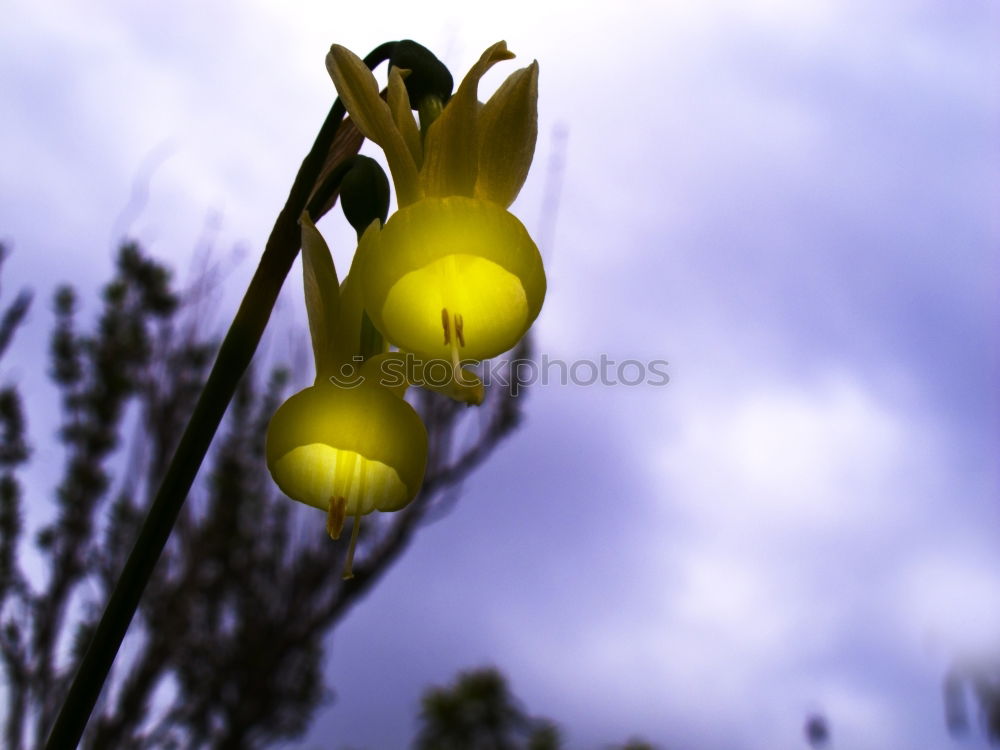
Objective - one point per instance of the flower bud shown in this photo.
(428, 75)
(364, 193)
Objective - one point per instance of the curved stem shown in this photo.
(234, 357)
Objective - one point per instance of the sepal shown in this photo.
(357, 87)
(319, 282)
(451, 150)
(508, 130)
(402, 114)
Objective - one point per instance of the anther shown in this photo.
(445, 324)
(458, 330)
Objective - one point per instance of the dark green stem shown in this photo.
(234, 357)
(429, 109)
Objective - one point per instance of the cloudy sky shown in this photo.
(795, 203)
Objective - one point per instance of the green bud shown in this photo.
(364, 193)
(428, 75)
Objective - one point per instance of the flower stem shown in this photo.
(429, 109)
(234, 357)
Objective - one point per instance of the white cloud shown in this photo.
(948, 596)
(784, 517)
(790, 459)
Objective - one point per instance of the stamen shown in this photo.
(335, 516)
(459, 330)
(349, 563)
(445, 321)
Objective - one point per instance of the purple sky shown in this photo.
(794, 203)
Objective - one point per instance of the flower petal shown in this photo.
(359, 91)
(319, 280)
(508, 129)
(402, 113)
(451, 149)
(347, 342)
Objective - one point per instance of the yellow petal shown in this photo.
(464, 386)
(359, 92)
(402, 113)
(508, 129)
(319, 281)
(451, 150)
(347, 341)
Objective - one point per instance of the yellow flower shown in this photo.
(453, 273)
(364, 447)
(348, 451)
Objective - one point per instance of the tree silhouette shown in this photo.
(979, 675)
(227, 647)
(478, 712)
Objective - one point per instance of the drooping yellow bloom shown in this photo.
(453, 273)
(362, 447)
(347, 449)
(452, 277)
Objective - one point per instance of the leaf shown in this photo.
(319, 281)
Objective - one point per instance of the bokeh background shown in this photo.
(794, 203)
